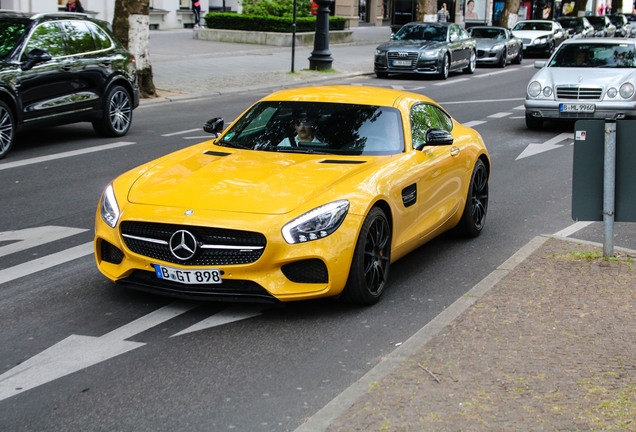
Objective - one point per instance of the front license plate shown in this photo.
(401, 62)
(582, 108)
(199, 276)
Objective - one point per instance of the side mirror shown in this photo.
(438, 137)
(214, 126)
(539, 64)
(34, 57)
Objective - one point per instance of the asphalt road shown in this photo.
(93, 357)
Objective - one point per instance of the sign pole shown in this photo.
(609, 188)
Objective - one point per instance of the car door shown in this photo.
(90, 64)
(459, 57)
(440, 170)
(44, 86)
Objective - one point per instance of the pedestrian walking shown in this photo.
(196, 8)
(442, 14)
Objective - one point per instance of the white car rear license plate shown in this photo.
(582, 108)
(401, 62)
(198, 276)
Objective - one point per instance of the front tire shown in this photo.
(533, 123)
(504, 58)
(7, 129)
(444, 67)
(117, 116)
(371, 261)
(474, 216)
(472, 63)
(381, 75)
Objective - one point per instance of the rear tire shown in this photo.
(504, 58)
(371, 261)
(117, 116)
(519, 57)
(7, 129)
(444, 67)
(474, 216)
(472, 63)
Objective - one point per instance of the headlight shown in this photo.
(317, 223)
(431, 52)
(108, 207)
(534, 88)
(547, 91)
(541, 40)
(612, 92)
(497, 47)
(627, 90)
(379, 52)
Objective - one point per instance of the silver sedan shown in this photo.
(584, 79)
(496, 46)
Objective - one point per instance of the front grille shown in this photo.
(411, 57)
(306, 271)
(526, 41)
(579, 92)
(216, 246)
(110, 253)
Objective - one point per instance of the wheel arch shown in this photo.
(9, 98)
(124, 82)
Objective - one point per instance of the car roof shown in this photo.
(41, 16)
(346, 94)
(604, 41)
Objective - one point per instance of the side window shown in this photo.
(102, 41)
(47, 37)
(425, 117)
(78, 37)
(454, 33)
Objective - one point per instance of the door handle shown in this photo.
(454, 151)
(65, 68)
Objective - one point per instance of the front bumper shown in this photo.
(550, 109)
(283, 272)
(489, 57)
(422, 66)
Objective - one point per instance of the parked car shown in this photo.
(427, 48)
(539, 36)
(496, 46)
(631, 19)
(312, 192)
(60, 68)
(623, 28)
(585, 78)
(576, 27)
(603, 27)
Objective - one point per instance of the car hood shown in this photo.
(530, 34)
(242, 181)
(485, 43)
(600, 77)
(396, 45)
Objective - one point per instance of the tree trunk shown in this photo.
(131, 27)
(509, 13)
(427, 10)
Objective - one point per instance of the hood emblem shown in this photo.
(403, 54)
(189, 212)
(580, 78)
(183, 245)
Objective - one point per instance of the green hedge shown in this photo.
(232, 21)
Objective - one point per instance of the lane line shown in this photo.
(181, 132)
(34, 266)
(577, 226)
(451, 82)
(64, 155)
(474, 123)
(500, 115)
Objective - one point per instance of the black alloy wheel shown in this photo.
(474, 216)
(533, 123)
(117, 116)
(7, 129)
(550, 49)
(371, 261)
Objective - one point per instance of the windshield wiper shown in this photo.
(234, 145)
(297, 150)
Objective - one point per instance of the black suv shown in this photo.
(59, 68)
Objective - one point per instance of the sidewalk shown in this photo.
(547, 342)
(187, 67)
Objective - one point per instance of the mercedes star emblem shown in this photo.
(183, 245)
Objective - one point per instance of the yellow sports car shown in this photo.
(312, 192)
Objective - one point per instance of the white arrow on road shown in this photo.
(223, 317)
(550, 144)
(30, 237)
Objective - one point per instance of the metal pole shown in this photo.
(609, 186)
(293, 38)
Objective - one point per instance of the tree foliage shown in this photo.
(279, 8)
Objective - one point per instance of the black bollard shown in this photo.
(320, 58)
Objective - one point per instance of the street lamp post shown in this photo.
(320, 58)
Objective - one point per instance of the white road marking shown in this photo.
(500, 115)
(479, 101)
(46, 262)
(551, 144)
(474, 123)
(223, 317)
(520, 107)
(455, 81)
(4, 166)
(181, 132)
(577, 226)
(31, 237)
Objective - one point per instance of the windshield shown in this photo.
(597, 22)
(487, 33)
(573, 23)
(431, 32)
(533, 26)
(315, 127)
(10, 33)
(595, 56)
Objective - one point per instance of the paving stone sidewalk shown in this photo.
(551, 347)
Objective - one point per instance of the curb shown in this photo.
(325, 416)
